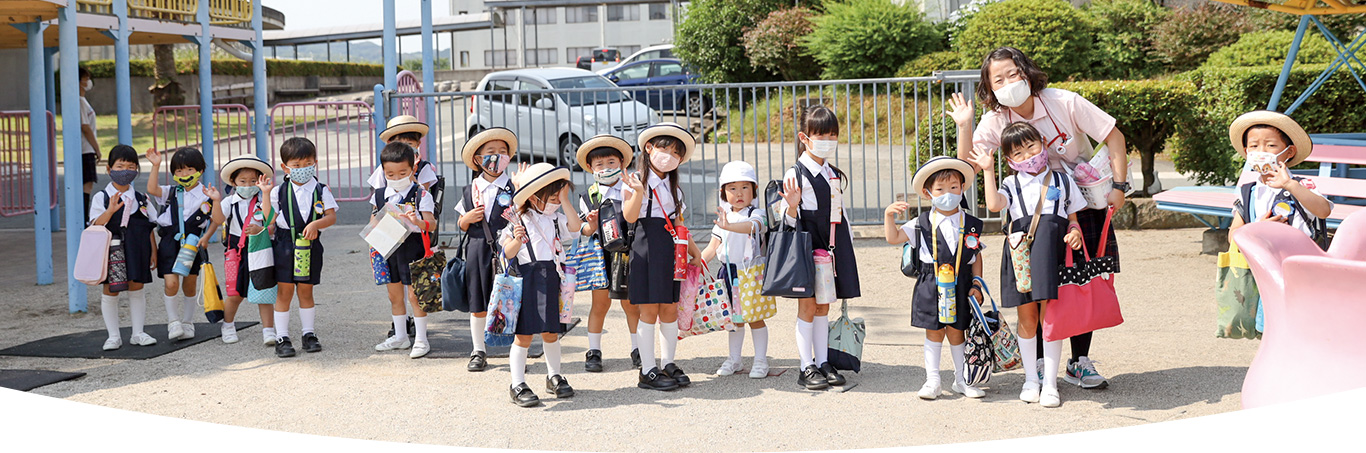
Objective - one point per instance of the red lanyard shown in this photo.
(1061, 134)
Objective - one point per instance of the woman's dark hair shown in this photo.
(1018, 134)
(545, 192)
(1284, 137)
(821, 121)
(83, 73)
(187, 157)
(604, 152)
(643, 165)
(397, 153)
(411, 136)
(297, 148)
(1038, 80)
(122, 153)
(947, 173)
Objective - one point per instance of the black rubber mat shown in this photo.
(25, 380)
(450, 339)
(89, 345)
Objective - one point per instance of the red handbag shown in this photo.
(1086, 299)
(232, 258)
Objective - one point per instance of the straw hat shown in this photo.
(1298, 137)
(487, 135)
(535, 178)
(401, 124)
(605, 141)
(240, 162)
(942, 163)
(672, 130)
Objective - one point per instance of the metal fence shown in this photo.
(343, 132)
(888, 127)
(16, 163)
(178, 125)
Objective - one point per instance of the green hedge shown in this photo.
(1148, 112)
(285, 68)
(1269, 48)
(926, 64)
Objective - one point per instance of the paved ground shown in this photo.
(1164, 363)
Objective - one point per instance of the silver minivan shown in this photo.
(553, 124)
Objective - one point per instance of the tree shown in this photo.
(775, 44)
(870, 38)
(1055, 35)
(709, 38)
(165, 87)
(1124, 39)
(1190, 35)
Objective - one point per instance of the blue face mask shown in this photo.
(947, 201)
(303, 174)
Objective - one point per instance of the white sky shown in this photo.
(305, 14)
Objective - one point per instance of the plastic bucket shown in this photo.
(1097, 194)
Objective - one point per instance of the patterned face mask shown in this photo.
(303, 173)
(495, 163)
(188, 181)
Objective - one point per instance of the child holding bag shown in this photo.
(245, 210)
(306, 208)
(533, 239)
(1043, 205)
(738, 223)
(190, 212)
(480, 211)
(397, 161)
(813, 196)
(653, 213)
(128, 216)
(607, 156)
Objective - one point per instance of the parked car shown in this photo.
(553, 124)
(602, 59)
(648, 53)
(641, 75)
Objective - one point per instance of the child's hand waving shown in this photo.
(960, 110)
(982, 158)
(633, 181)
(721, 219)
(154, 157)
(212, 192)
(896, 209)
(265, 183)
(1279, 177)
(792, 192)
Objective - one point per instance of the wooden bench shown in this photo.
(1343, 185)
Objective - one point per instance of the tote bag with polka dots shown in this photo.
(754, 305)
(1086, 298)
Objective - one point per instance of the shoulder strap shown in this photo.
(1034, 224)
(1245, 196)
(379, 198)
(926, 232)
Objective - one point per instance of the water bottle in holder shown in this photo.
(681, 235)
(303, 259)
(947, 285)
(184, 260)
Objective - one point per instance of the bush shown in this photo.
(234, 67)
(930, 62)
(1267, 48)
(870, 38)
(1202, 149)
(775, 44)
(1124, 39)
(1148, 112)
(1055, 35)
(958, 19)
(1189, 36)
(709, 38)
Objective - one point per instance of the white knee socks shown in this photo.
(109, 309)
(1030, 356)
(595, 341)
(137, 309)
(737, 343)
(400, 325)
(760, 337)
(172, 308)
(552, 357)
(804, 342)
(188, 307)
(956, 352)
(517, 363)
(306, 319)
(646, 332)
(668, 330)
(477, 333)
(635, 340)
(820, 332)
(420, 328)
(933, 351)
(281, 324)
(1052, 353)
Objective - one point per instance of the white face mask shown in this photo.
(1262, 161)
(87, 85)
(946, 201)
(400, 185)
(1014, 94)
(824, 148)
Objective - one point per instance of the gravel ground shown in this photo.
(1163, 363)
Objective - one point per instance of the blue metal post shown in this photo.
(390, 44)
(37, 133)
(206, 93)
(48, 53)
(71, 149)
(1289, 63)
(379, 118)
(428, 70)
(259, 88)
(123, 92)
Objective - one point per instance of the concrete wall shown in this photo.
(554, 38)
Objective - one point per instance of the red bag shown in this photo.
(1086, 299)
(232, 259)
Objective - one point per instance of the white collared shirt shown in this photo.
(235, 209)
(948, 229)
(486, 191)
(540, 231)
(809, 202)
(1264, 197)
(424, 177)
(303, 195)
(738, 248)
(194, 199)
(1031, 186)
(424, 199)
(97, 207)
(663, 198)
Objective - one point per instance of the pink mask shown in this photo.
(1031, 165)
(664, 161)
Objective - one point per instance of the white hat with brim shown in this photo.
(738, 171)
(535, 178)
(1298, 137)
(605, 141)
(671, 130)
(238, 163)
(401, 124)
(942, 163)
(478, 140)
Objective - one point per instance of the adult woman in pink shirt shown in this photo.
(1014, 89)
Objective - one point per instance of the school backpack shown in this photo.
(773, 213)
(1318, 228)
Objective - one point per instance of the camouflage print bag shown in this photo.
(426, 274)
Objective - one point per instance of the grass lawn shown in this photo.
(107, 130)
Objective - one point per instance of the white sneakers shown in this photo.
(395, 342)
(730, 367)
(268, 336)
(177, 330)
(142, 339)
(1050, 398)
(229, 331)
(113, 343)
(420, 348)
(1030, 392)
(967, 390)
(187, 330)
(759, 369)
(930, 391)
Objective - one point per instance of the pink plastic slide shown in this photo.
(1315, 304)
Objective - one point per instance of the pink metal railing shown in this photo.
(177, 126)
(16, 163)
(410, 83)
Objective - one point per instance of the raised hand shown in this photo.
(633, 181)
(211, 192)
(154, 157)
(982, 157)
(116, 202)
(265, 183)
(896, 209)
(1279, 176)
(792, 193)
(721, 219)
(960, 110)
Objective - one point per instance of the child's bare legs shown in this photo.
(632, 321)
(597, 316)
(1026, 328)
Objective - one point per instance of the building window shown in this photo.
(500, 58)
(572, 54)
(541, 16)
(580, 14)
(627, 51)
(464, 58)
(538, 57)
(623, 13)
(659, 11)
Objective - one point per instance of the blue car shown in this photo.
(662, 72)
